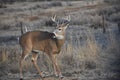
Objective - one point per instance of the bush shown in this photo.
(55, 3)
(115, 17)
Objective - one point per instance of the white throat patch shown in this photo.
(58, 36)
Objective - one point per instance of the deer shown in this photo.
(48, 42)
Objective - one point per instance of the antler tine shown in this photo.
(68, 18)
(53, 18)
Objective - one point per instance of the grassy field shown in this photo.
(91, 50)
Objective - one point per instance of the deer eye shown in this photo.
(59, 29)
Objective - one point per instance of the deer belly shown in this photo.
(39, 47)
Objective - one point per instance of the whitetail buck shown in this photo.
(49, 43)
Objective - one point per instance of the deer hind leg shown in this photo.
(34, 60)
(56, 67)
(25, 53)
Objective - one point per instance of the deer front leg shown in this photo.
(55, 65)
(34, 60)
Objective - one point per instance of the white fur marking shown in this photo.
(34, 58)
(36, 51)
(26, 56)
(58, 36)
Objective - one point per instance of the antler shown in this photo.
(65, 20)
(54, 19)
(68, 18)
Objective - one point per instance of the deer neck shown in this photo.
(59, 42)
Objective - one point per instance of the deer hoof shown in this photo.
(61, 77)
(43, 76)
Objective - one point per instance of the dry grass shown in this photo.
(93, 6)
(81, 57)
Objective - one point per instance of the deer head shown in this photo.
(61, 27)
